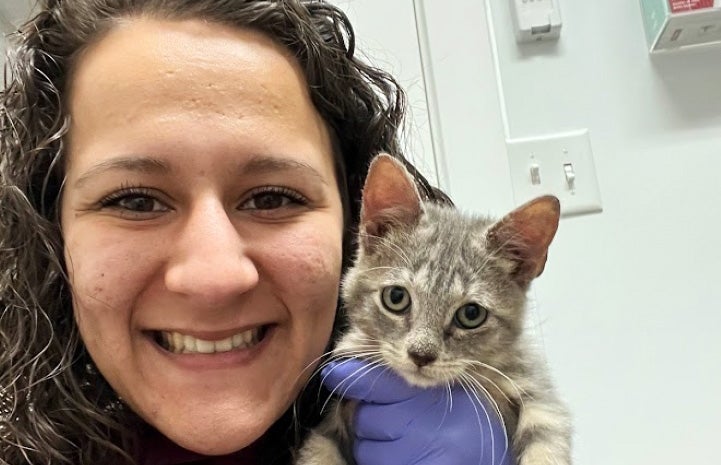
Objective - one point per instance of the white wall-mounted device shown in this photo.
(536, 19)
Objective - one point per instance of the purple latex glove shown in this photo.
(398, 424)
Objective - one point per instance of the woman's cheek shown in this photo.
(310, 261)
(306, 274)
(106, 272)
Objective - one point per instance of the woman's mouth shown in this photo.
(179, 343)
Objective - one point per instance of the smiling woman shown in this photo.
(227, 225)
(179, 184)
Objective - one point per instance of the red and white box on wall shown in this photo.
(678, 6)
(677, 24)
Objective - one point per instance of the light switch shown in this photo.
(570, 176)
(557, 164)
(535, 174)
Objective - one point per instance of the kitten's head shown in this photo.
(433, 292)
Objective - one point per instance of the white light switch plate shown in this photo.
(557, 164)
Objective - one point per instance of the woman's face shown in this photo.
(202, 225)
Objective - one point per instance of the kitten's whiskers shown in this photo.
(360, 373)
(476, 386)
(472, 394)
(520, 392)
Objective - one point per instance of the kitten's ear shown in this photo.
(525, 234)
(390, 198)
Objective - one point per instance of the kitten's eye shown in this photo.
(470, 316)
(396, 299)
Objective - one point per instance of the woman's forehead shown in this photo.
(158, 81)
(200, 64)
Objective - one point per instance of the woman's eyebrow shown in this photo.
(266, 164)
(150, 165)
(136, 163)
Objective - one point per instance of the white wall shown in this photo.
(628, 305)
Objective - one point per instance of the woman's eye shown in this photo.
(470, 316)
(139, 203)
(134, 202)
(273, 199)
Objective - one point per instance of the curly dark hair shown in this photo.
(54, 407)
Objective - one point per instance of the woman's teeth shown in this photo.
(183, 344)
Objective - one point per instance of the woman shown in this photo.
(180, 181)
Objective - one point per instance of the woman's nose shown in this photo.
(210, 260)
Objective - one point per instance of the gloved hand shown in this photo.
(398, 424)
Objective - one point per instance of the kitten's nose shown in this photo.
(422, 358)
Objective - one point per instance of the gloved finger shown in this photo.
(369, 452)
(408, 450)
(464, 430)
(383, 422)
(360, 380)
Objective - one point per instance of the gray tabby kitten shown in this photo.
(440, 298)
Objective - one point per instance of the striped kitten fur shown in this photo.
(439, 297)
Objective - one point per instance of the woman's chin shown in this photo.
(215, 440)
